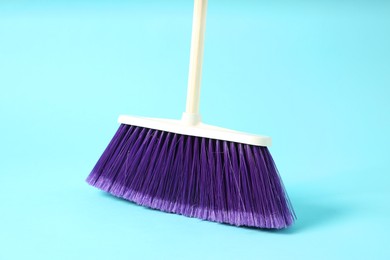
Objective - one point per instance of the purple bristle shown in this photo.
(198, 177)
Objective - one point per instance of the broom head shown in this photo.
(172, 169)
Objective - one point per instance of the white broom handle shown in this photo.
(196, 60)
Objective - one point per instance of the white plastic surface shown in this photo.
(199, 130)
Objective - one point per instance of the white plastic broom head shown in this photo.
(199, 130)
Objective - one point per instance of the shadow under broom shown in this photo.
(190, 168)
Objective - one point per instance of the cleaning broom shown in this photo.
(190, 168)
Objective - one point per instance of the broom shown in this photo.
(193, 169)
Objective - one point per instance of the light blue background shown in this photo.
(314, 76)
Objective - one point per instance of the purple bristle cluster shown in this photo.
(198, 177)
